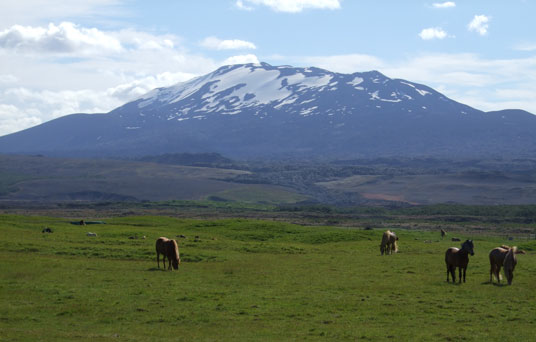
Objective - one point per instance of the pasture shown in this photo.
(250, 280)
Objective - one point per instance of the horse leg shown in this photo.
(459, 275)
(452, 271)
(158, 259)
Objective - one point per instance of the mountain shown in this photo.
(263, 111)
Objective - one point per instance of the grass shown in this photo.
(249, 280)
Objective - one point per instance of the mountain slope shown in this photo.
(264, 111)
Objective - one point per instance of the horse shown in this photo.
(169, 249)
(389, 244)
(443, 233)
(503, 256)
(455, 257)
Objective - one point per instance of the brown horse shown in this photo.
(443, 233)
(503, 256)
(455, 257)
(169, 249)
(389, 245)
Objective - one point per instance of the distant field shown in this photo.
(379, 183)
(43, 179)
(441, 188)
(250, 280)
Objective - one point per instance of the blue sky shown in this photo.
(60, 57)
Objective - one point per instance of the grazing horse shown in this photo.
(455, 257)
(443, 233)
(497, 257)
(169, 249)
(389, 245)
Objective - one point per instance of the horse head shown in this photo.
(468, 247)
(175, 264)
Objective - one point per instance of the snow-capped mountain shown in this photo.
(259, 110)
(233, 90)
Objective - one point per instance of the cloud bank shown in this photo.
(289, 6)
(65, 38)
(228, 44)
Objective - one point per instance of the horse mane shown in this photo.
(510, 259)
(175, 249)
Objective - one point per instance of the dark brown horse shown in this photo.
(455, 257)
(169, 249)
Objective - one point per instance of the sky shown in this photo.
(62, 57)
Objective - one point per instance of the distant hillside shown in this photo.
(259, 111)
(44, 179)
(365, 183)
(190, 159)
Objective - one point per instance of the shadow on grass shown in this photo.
(494, 284)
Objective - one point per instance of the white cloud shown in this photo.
(29, 12)
(345, 63)
(132, 39)
(30, 107)
(479, 24)
(525, 47)
(433, 33)
(7, 78)
(65, 38)
(290, 6)
(241, 59)
(228, 44)
(240, 5)
(12, 119)
(446, 4)
(127, 91)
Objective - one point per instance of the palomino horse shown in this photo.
(388, 245)
(455, 257)
(169, 249)
(503, 256)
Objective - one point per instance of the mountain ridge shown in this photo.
(263, 111)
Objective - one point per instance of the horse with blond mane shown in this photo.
(503, 256)
(170, 250)
(455, 257)
(389, 245)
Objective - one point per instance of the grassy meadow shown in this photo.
(250, 280)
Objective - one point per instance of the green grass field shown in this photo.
(250, 280)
